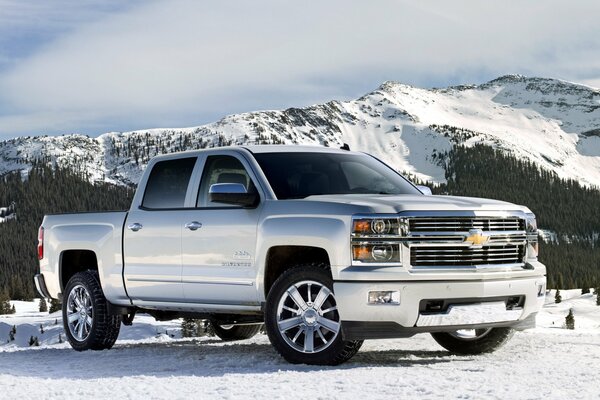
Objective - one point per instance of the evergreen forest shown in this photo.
(45, 190)
(561, 206)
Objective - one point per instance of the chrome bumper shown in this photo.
(471, 314)
(472, 302)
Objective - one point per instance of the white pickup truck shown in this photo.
(326, 247)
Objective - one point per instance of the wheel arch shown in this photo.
(283, 257)
(74, 261)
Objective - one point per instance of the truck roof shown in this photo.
(292, 148)
(267, 148)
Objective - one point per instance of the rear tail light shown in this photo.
(40, 246)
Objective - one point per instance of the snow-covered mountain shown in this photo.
(553, 123)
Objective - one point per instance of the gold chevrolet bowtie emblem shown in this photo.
(476, 237)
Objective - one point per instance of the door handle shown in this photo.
(135, 226)
(192, 226)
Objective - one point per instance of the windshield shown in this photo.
(298, 175)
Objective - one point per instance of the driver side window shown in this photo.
(222, 169)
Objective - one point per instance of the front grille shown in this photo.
(464, 224)
(463, 256)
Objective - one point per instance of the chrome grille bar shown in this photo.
(452, 256)
(464, 224)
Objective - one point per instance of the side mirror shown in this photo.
(425, 190)
(232, 193)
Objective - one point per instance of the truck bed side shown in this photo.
(75, 242)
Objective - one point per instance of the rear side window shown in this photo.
(168, 183)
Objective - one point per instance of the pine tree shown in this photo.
(55, 306)
(570, 320)
(43, 305)
(557, 297)
(12, 333)
(585, 290)
(60, 338)
(42, 329)
(5, 307)
(597, 290)
(13, 310)
(31, 341)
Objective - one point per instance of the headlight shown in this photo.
(532, 237)
(376, 252)
(375, 227)
(531, 224)
(370, 240)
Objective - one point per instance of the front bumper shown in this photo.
(361, 320)
(40, 285)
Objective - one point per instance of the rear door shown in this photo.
(152, 236)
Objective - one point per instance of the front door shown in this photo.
(219, 243)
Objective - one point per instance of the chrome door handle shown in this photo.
(135, 226)
(192, 226)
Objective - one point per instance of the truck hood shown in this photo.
(406, 202)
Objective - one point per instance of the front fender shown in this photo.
(328, 233)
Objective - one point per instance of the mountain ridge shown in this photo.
(552, 123)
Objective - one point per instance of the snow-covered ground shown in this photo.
(151, 361)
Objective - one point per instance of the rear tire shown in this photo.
(482, 340)
(87, 323)
(235, 332)
(302, 320)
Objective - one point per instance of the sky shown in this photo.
(94, 66)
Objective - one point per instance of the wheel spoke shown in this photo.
(88, 321)
(297, 335)
(309, 340)
(72, 317)
(78, 329)
(329, 324)
(289, 323)
(297, 297)
(290, 309)
(330, 309)
(321, 297)
(321, 335)
(77, 301)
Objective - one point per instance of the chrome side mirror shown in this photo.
(220, 188)
(232, 193)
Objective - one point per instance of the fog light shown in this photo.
(384, 297)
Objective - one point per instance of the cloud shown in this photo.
(181, 63)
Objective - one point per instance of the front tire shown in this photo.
(473, 341)
(87, 323)
(235, 332)
(302, 320)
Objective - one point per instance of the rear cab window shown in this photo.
(168, 183)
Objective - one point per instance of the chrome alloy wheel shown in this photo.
(307, 317)
(470, 334)
(80, 314)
